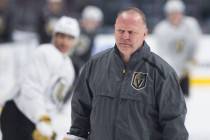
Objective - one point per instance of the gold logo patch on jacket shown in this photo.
(139, 80)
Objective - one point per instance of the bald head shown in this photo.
(132, 11)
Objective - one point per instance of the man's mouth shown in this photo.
(61, 48)
(125, 44)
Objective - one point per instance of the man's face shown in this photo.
(175, 18)
(55, 7)
(130, 32)
(90, 25)
(63, 42)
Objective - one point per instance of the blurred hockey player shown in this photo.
(177, 38)
(44, 85)
(90, 22)
(49, 15)
(6, 20)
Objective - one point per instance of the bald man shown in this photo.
(128, 92)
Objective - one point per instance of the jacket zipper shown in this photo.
(124, 72)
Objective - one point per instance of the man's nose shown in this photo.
(126, 35)
(66, 39)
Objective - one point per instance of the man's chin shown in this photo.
(125, 50)
(125, 47)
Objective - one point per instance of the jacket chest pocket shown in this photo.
(106, 88)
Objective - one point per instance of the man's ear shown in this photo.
(145, 32)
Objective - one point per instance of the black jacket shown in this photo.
(138, 101)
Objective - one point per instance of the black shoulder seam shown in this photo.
(156, 67)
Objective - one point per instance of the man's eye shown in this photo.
(120, 31)
(130, 32)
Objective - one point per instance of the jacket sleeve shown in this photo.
(172, 109)
(72, 137)
(81, 105)
(33, 83)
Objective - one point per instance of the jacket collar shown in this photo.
(136, 57)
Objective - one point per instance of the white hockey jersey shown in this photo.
(7, 73)
(44, 83)
(177, 44)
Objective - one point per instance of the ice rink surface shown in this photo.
(198, 115)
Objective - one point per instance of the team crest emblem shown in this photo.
(139, 80)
